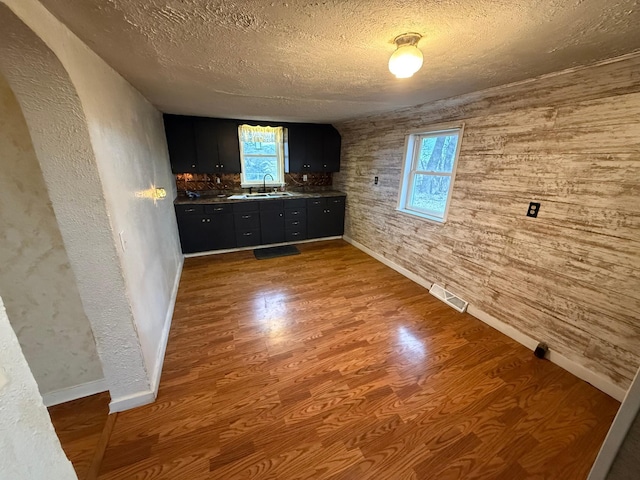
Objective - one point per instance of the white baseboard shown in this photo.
(596, 379)
(403, 271)
(255, 247)
(157, 372)
(143, 398)
(131, 401)
(74, 393)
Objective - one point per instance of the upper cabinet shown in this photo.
(182, 144)
(313, 148)
(211, 145)
(217, 144)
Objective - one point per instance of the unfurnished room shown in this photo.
(319, 240)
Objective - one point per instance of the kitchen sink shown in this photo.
(262, 195)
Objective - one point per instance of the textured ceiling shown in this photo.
(327, 60)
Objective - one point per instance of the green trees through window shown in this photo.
(428, 178)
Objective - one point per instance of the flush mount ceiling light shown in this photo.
(407, 59)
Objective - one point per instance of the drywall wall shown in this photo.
(60, 135)
(127, 138)
(36, 280)
(29, 445)
(570, 277)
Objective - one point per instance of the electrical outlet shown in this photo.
(534, 207)
(123, 242)
(304, 177)
(375, 180)
(218, 180)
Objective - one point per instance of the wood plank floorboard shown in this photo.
(80, 425)
(330, 365)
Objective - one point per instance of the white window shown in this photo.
(428, 174)
(262, 155)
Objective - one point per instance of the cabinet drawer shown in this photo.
(270, 205)
(246, 238)
(300, 213)
(295, 223)
(293, 235)
(247, 221)
(317, 202)
(295, 203)
(249, 206)
(337, 201)
(218, 208)
(189, 209)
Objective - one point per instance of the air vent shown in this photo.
(448, 297)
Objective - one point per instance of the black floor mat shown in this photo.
(274, 252)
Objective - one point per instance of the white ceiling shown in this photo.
(326, 61)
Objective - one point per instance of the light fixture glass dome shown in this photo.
(407, 59)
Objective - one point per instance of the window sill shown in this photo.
(423, 216)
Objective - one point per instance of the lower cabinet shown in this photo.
(246, 216)
(205, 227)
(219, 226)
(325, 217)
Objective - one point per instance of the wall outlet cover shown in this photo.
(534, 207)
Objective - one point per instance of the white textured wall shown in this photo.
(36, 280)
(127, 154)
(30, 449)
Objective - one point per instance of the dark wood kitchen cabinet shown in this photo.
(181, 143)
(295, 219)
(313, 148)
(325, 217)
(217, 145)
(205, 227)
(247, 223)
(272, 221)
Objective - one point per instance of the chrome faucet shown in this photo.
(264, 182)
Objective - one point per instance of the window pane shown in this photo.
(255, 168)
(437, 153)
(430, 193)
(259, 148)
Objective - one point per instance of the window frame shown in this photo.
(409, 170)
(280, 159)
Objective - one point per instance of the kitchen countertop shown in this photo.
(209, 199)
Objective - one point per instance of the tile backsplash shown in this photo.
(231, 181)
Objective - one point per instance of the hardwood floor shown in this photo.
(81, 425)
(330, 365)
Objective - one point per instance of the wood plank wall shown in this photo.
(570, 277)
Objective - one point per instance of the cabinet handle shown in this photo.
(246, 216)
(217, 166)
(248, 234)
(193, 166)
(293, 234)
(325, 166)
(221, 166)
(190, 210)
(204, 220)
(217, 209)
(209, 220)
(295, 223)
(281, 214)
(295, 212)
(316, 202)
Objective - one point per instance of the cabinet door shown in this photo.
(206, 130)
(181, 143)
(316, 218)
(221, 232)
(228, 146)
(192, 233)
(331, 149)
(334, 216)
(297, 148)
(314, 148)
(272, 226)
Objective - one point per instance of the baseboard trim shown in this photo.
(401, 270)
(157, 372)
(597, 380)
(74, 393)
(255, 247)
(131, 401)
